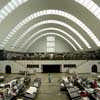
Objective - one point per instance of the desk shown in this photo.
(73, 93)
(1, 78)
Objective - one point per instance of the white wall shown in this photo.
(83, 66)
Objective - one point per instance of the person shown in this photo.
(65, 79)
(94, 84)
(14, 90)
(49, 77)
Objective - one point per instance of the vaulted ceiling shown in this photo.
(22, 22)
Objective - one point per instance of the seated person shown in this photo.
(94, 84)
(13, 90)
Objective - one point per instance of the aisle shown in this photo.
(50, 91)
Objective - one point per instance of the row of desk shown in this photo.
(71, 91)
(23, 91)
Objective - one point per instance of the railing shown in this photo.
(8, 55)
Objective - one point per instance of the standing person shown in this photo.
(49, 77)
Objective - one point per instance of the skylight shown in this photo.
(54, 22)
(91, 6)
(7, 9)
(46, 29)
(60, 13)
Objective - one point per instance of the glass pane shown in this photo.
(50, 49)
(50, 44)
(50, 38)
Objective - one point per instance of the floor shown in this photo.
(47, 91)
(50, 91)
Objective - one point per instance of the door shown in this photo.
(94, 68)
(8, 69)
(51, 68)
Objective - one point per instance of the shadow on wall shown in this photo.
(8, 69)
(94, 68)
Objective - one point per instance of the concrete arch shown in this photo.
(53, 22)
(51, 12)
(54, 29)
(28, 46)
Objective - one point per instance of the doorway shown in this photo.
(8, 69)
(94, 68)
(51, 68)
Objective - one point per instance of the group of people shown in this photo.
(8, 92)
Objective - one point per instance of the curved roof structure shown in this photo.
(24, 21)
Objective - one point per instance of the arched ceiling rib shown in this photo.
(91, 6)
(28, 46)
(48, 29)
(48, 12)
(54, 22)
(8, 8)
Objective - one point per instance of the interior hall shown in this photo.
(49, 50)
